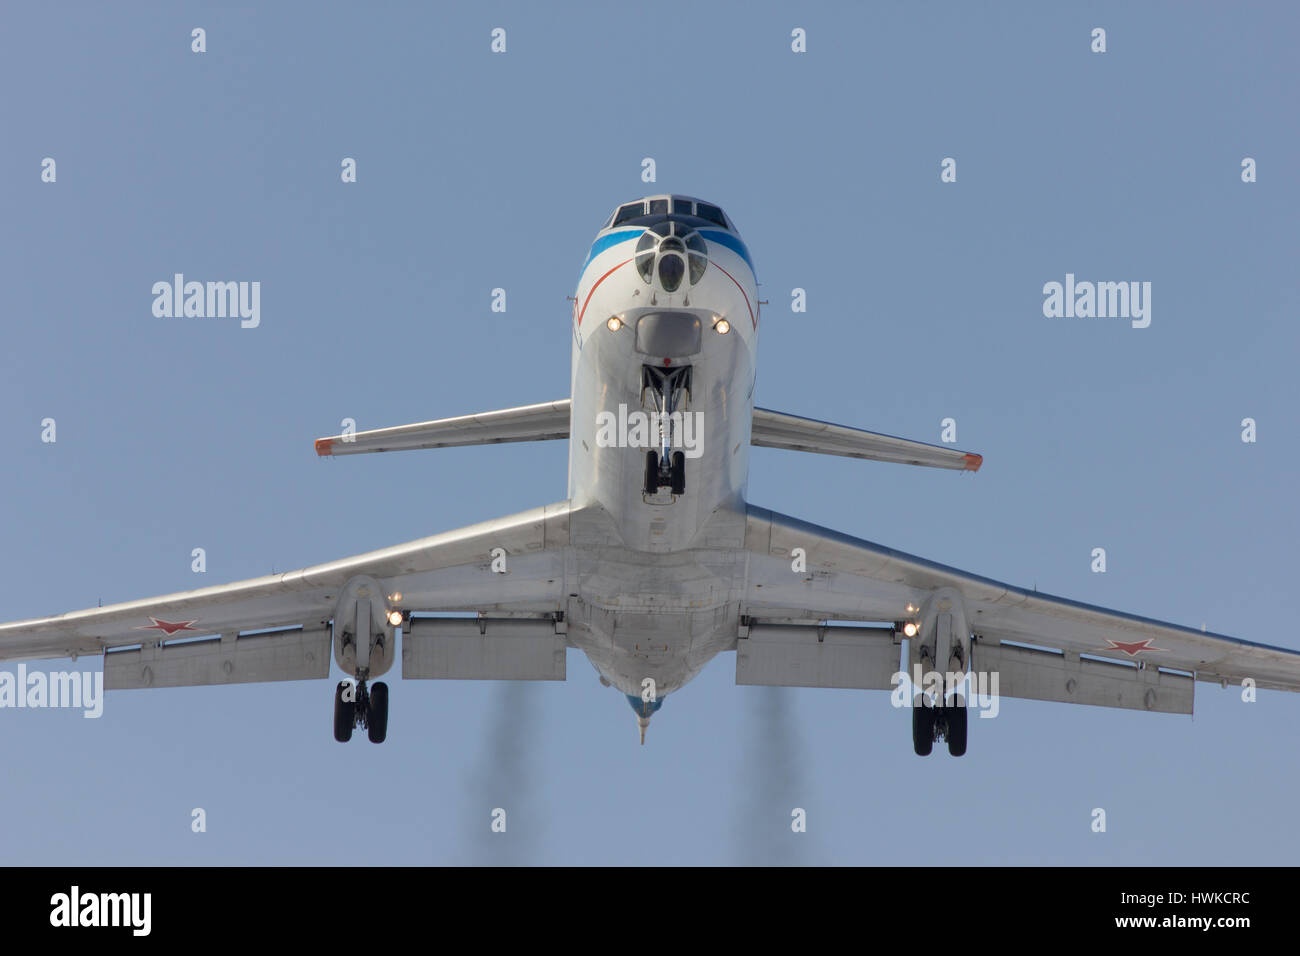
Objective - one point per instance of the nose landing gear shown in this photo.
(669, 388)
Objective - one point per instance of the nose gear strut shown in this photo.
(669, 388)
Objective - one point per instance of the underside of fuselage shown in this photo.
(665, 333)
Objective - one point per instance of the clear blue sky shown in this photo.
(479, 171)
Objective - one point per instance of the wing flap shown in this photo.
(298, 654)
(486, 649)
(1034, 674)
(865, 658)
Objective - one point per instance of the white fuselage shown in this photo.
(659, 576)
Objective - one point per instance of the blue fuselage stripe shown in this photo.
(626, 235)
(731, 242)
(608, 242)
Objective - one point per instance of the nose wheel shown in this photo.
(659, 473)
(356, 705)
(677, 474)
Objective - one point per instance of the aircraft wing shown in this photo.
(277, 627)
(545, 420)
(781, 430)
(1046, 647)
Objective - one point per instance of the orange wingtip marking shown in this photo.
(324, 446)
(973, 462)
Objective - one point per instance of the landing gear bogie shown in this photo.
(357, 705)
(929, 723)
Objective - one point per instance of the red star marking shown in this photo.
(167, 627)
(1132, 650)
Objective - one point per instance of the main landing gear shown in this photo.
(939, 632)
(355, 705)
(929, 723)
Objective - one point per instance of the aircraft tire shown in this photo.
(956, 729)
(652, 472)
(377, 722)
(922, 729)
(344, 714)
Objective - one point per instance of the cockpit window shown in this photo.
(632, 210)
(712, 213)
(658, 207)
(683, 206)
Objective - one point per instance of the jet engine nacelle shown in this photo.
(365, 643)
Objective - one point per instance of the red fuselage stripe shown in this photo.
(597, 286)
(597, 283)
(742, 292)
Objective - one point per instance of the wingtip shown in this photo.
(324, 447)
(973, 461)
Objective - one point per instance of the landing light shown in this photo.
(395, 618)
(910, 629)
(614, 323)
(722, 326)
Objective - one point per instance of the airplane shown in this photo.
(655, 562)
